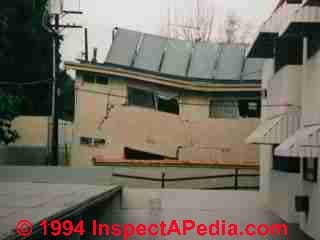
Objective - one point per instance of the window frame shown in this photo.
(212, 101)
(155, 96)
(237, 101)
(92, 141)
(130, 103)
(94, 77)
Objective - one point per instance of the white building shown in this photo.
(289, 131)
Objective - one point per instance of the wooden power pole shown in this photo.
(56, 27)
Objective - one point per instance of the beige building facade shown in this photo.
(130, 112)
(191, 132)
(33, 144)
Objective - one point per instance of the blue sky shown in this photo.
(100, 16)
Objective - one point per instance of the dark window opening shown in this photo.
(285, 164)
(313, 45)
(235, 108)
(132, 154)
(168, 105)
(142, 98)
(96, 78)
(92, 141)
(85, 140)
(249, 108)
(99, 141)
(289, 51)
(102, 79)
(223, 109)
(88, 77)
(310, 169)
(150, 99)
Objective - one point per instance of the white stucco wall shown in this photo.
(310, 223)
(311, 115)
(279, 188)
(310, 91)
(265, 173)
(283, 189)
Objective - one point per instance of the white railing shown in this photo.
(306, 14)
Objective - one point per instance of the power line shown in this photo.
(25, 83)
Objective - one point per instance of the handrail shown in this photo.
(163, 179)
(184, 178)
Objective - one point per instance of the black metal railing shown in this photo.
(163, 179)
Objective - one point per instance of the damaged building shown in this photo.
(159, 99)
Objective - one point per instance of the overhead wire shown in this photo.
(25, 83)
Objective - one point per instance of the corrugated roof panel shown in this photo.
(252, 69)
(176, 57)
(230, 62)
(150, 52)
(123, 48)
(203, 59)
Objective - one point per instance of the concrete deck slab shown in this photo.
(39, 201)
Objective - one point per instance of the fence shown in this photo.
(162, 179)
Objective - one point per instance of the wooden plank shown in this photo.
(172, 163)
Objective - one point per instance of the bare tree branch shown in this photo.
(201, 24)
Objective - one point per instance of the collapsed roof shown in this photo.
(181, 58)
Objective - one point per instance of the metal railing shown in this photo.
(163, 179)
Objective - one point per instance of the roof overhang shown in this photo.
(304, 21)
(311, 3)
(276, 129)
(304, 143)
(179, 83)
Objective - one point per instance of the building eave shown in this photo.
(253, 85)
(304, 21)
(311, 3)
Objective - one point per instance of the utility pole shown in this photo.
(55, 26)
(86, 55)
(55, 111)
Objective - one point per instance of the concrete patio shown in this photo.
(109, 204)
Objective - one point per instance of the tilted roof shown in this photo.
(182, 58)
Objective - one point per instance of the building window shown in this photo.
(249, 108)
(88, 77)
(168, 105)
(310, 169)
(224, 109)
(95, 78)
(285, 164)
(92, 141)
(142, 98)
(99, 141)
(235, 108)
(153, 100)
(85, 140)
(101, 79)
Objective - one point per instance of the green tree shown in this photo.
(66, 96)
(26, 56)
(9, 109)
